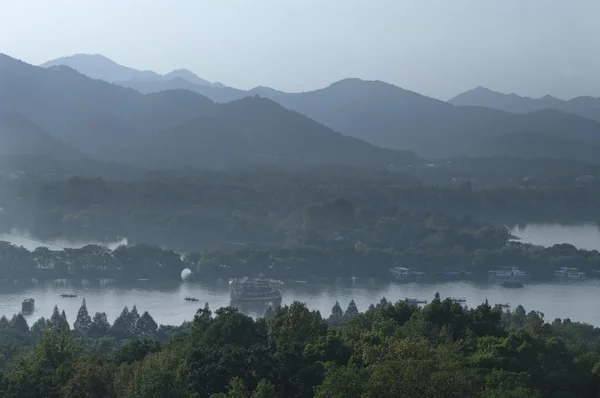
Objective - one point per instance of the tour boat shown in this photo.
(250, 289)
(27, 305)
(68, 295)
(569, 273)
(510, 273)
(191, 299)
(401, 274)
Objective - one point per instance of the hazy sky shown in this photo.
(436, 47)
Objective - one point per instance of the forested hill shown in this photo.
(392, 117)
(109, 122)
(389, 350)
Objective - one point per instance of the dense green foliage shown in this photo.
(91, 261)
(338, 222)
(391, 350)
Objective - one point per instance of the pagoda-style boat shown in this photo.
(253, 289)
(27, 305)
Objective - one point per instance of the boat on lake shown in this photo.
(253, 289)
(503, 305)
(570, 273)
(68, 295)
(450, 275)
(507, 273)
(27, 305)
(191, 299)
(402, 274)
(414, 300)
(512, 284)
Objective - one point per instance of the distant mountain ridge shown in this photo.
(100, 67)
(379, 113)
(588, 107)
(175, 128)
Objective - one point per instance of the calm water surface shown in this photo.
(24, 238)
(166, 302)
(582, 236)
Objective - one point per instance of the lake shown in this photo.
(166, 302)
(20, 237)
(583, 236)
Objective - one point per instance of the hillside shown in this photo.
(100, 67)
(93, 116)
(587, 107)
(392, 117)
(535, 146)
(257, 131)
(174, 127)
(20, 136)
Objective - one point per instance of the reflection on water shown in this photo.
(583, 236)
(21, 237)
(165, 301)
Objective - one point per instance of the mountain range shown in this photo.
(173, 128)
(588, 107)
(112, 112)
(471, 124)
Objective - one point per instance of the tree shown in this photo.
(336, 315)
(58, 320)
(38, 328)
(134, 318)
(351, 311)
(91, 380)
(83, 322)
(100, 325)
(146, 325)
(264, 389)
(18, 324)
(269, 313)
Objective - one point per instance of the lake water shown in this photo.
(582, 236)
(24, 238)
(166, 302)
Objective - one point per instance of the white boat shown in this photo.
(401, 274)
(507, 273)
(414, 300)
(570, 273)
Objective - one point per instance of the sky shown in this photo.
(435, 47)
